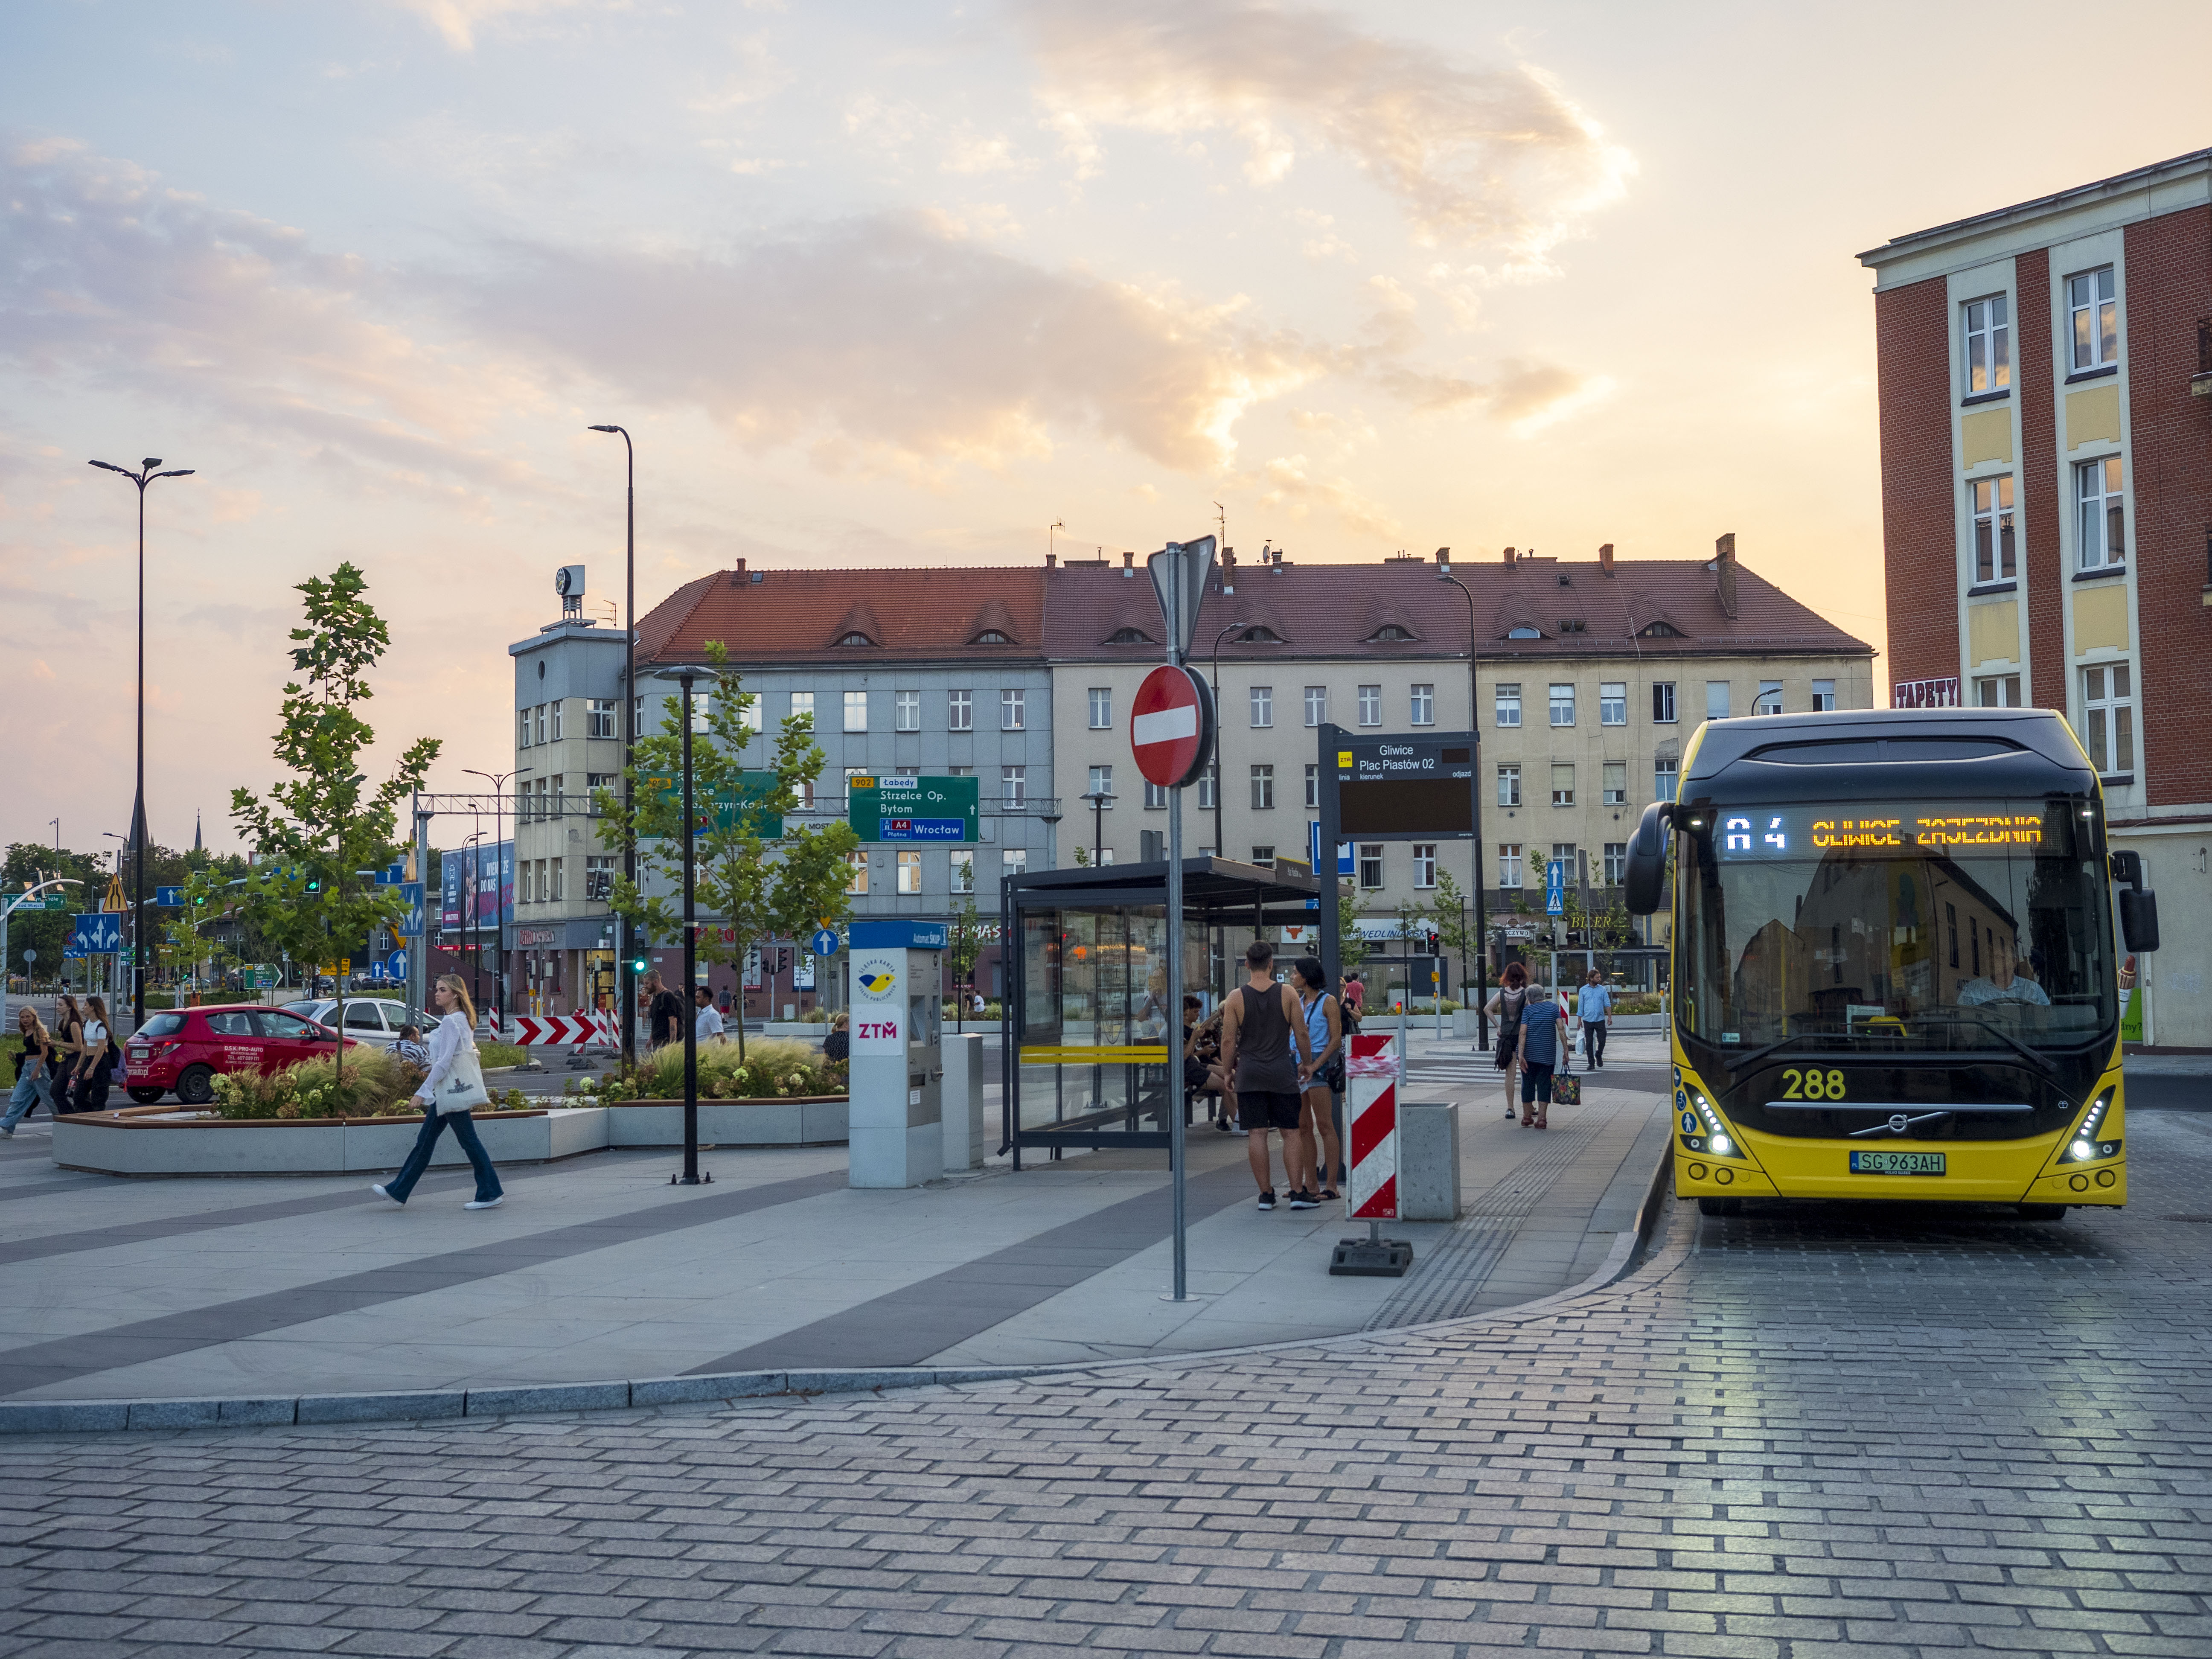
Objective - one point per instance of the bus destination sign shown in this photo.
(1767, 832)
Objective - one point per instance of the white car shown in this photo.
(368, 1019)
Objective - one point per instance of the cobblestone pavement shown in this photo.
(1795, 1433)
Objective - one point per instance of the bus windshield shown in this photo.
(1896, 927)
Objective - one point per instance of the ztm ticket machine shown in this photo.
(896, 973)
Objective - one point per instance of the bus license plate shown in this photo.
(1909, 1164)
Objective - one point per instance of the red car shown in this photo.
(182, 1050)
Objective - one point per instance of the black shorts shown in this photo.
(1262, 1109)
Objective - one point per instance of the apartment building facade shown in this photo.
(2046, 390)
(1590, 677)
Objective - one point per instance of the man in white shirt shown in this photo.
(709, 1020)
(2008, 981)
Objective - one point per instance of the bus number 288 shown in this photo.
(1812, 1085)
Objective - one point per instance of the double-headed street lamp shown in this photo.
(498, 781)
(144, 475)
(1100, 800)
(1220, 777)
(1474, 727)
(625, 974)
(690, 1177)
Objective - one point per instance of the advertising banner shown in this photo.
(479, 880)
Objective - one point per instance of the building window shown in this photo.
(751, 716)
(1509, 785)
(1562, 705)
(852, 772)
(906, 710)
(1612, 702)
(1616, 862)
(703, 714)
(1208, 781)
(1425, 864)
(2103, 533)
(1263, 788)
(1507, 704)
(559, 806)
(2108, 700)
(1156, 795)
(1101, 708)
(1371, 864)
(856, 871)
(1989, 344)
(1316, 704)
(1015, 860)
(1613, 775)
(1563, 855)
(1563, 783)
(1313, 787)
(540, 722)
(856, 711)
(802, 704)
(1010, 711)
(599, 714)
(1997, 691)
(1508, 866)
(1264, 857)
(522, 730)
(1263, 706)
(1014, 783)
(1824, 697)
(1371, 705)
(1769, 698)
(553, 710)
(1101, 783)
(1425, 705)
(961, 874)
(960, 711)
(1662, 702)
(2094, 302)
(909, 873)
(1995, 560)
(1664, 773)
(1717, 700)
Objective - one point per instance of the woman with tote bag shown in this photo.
(454, 1086)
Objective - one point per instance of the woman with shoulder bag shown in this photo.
(452, 1091)
(63, 1054)
(1507, 1002)
(1324, 1078)
(96, 1063)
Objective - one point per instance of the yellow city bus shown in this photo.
(1893, 971)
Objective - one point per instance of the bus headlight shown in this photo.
(1716, 1142)
(2087, 1147)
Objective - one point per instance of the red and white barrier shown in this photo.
(563, 1030)
(1370, 1104)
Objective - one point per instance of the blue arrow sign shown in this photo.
(1555, 888)
(395, 965)
(824, 943)
(410, 925)
(169, 898)
(1344, 866)
(98, 934)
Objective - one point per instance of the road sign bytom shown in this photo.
(1171, 727)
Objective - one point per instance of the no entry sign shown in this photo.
(1171, 727)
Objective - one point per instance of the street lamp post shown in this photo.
(1474, 725)
(1220, 777)
(144, 475)
(690, 1177)
(1100, 800)
(626, 976)
(498, 781)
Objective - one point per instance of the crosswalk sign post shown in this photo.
(1555, 888)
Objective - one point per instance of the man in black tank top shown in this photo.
(1262, 1025)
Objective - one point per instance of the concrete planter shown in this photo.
(817, 1029)
(159, 1140)
(801, 1121)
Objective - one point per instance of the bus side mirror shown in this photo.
(2139, 919)
(1645, 878)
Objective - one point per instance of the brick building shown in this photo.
(2046, 390)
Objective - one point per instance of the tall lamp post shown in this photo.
(1100, 800)
(144, 475)
(626, 975)
(690, 1177)
(1220, 777)
(498, 781)
(1474, 725)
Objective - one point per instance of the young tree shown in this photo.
(970, 933)
(1459, 930)
(1351, 947)
(323, 824)
(756, 885)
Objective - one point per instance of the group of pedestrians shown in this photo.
(67, 1069)
(1531, 1029)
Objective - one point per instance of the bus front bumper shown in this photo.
(1974, 1172)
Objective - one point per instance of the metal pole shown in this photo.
(690, 1175)
(138, 806)
(626, 936)
(1474, 730)
(1175, 1096)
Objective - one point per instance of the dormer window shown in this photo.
(990, 636)
(1573, 625)
(1659, 630)
(1128, 636)
(856, 639)
(1389, 633)
(1524, 632)
(1260, 634)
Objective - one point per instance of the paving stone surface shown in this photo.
(1795, 1434)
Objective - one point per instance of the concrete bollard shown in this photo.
(1428, 1161)
(964, 1145)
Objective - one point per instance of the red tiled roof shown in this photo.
(769, 615)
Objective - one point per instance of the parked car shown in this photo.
(368, 1019)
(182, 1049)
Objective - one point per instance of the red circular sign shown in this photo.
(1171, 727)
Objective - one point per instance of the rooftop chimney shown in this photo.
(1443, 557)
(1229, 570)
(1509, 556)
(737, 576)
(1605, 558)
(1724, 572)
(1129, 564)
(1052, 560)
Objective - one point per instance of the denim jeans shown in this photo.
(464, 1131)
(30, 1091)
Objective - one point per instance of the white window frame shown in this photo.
(1666, 778)
(906, 711)
(856, 871)
(2108, 717)
(1769, 700)
(2093, 319)
(1508, 784)
(960, 711)
(1263, 787)
(522, 728)
(1509, 879)
(1262, 702)
(1997, 540)
(802, 702)
(1612, 702)
(1985, 329)
(1013, 710)
(1505, 702)
(1824, 697)
(555, 707)
(1014, 783)
(599, 716)
(1155, 796)
(1102, 708)
(856, 711)
(909, 872)
(1209, 781)
(960, 870)
(1997, 691)
(1101, 783)
(1663, 703)
(538, 726)
(1425, 864)
(1422, 705)
(1612, 782)
(1015, 860)
(2100, 499)
(1726, 699)
(1616, 862)
(1371, 705)
(1316, 704)
(1369, 856)
(1562, 795)
(1561, 700)
(1313, 787)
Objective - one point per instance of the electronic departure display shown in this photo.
(1799, 832)
(1406, 788)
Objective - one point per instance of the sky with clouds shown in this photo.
(908, 283)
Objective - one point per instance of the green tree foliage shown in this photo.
(1352, 949)
(47, 932)
(751, 886)
(323, 823)
(970, 933)
(1458, 929)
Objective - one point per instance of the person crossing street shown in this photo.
(1593, 1006)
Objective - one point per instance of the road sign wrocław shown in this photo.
(910, 809)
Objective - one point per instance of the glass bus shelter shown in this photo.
(1091, 1024)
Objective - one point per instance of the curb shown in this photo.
(32, 1417)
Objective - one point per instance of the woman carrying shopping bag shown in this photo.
(95, 1062)
(453, 1088)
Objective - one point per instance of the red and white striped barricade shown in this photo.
(579, 1031)
(1370, 1111)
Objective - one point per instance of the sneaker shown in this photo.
(380, 1193)
(1240, 1130)
(1302, 1200)
(1267, 1198)
(485, 1203)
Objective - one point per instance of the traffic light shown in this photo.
(637, 965)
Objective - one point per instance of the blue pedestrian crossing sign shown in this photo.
(824, 943)
(1555, 888)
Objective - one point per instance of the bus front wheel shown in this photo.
(1720, 1206)
(2042, 1211)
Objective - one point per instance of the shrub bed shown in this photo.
(774, 1068)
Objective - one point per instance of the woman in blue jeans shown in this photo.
(456, 1031)
(34, 1066)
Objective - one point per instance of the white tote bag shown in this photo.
(463, 1090)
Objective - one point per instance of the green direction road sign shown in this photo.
(753, 787)
(264, 977)
(911, 809)
(55, 902)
